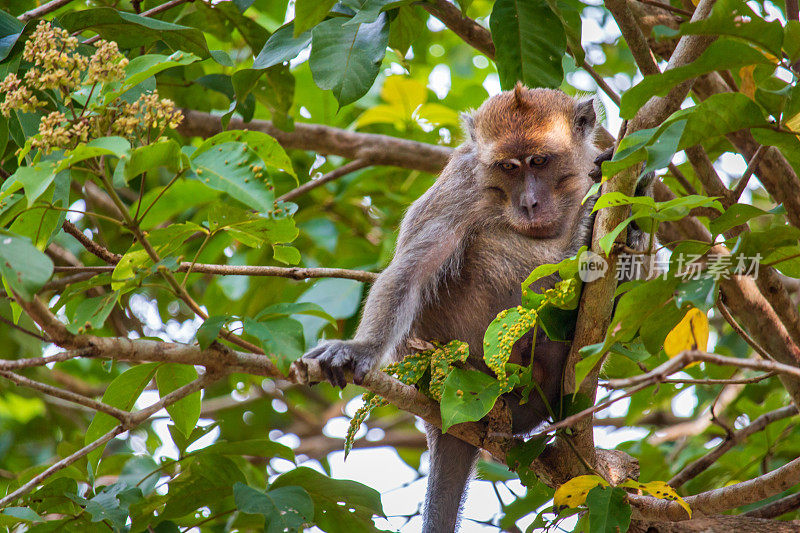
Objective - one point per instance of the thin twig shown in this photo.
(14, 364)
(677, 363)
(601, 82)
(694, 468)
(43, 9)
(343, 170)
(742, 381)
(96, 249)
(70, 396)
(63, 463)
(681, 179)
(751, 167)
(571, 420)
(726, 314)
(298, 273)
(23, 330)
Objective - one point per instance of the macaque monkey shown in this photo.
(508, 201)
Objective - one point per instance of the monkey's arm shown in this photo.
(431, 240)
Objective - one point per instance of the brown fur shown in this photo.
(463, 250)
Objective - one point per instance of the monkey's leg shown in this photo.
(451, 463)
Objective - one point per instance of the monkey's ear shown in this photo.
(585, 117)
(468, 125)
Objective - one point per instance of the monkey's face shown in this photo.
(535, 153)
(536, 192)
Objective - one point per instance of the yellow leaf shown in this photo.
(382, 114)
(748, 86)
(405, 93)
(793, 123)
(573, 492)
(437, 114)
(658, 489)
(691, 333)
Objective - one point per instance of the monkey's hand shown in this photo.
(597, 172)
(337, 357)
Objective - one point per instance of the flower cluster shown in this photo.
(59, 70)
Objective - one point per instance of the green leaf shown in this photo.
(700, 293)
(91, 313)
(280, 337)
(230, 168)
(286, 254)
(309, 13)
(131, 31)
(609, 510)
(254, 447)
(733, 216)
(210, 479)
(530, 43)
(265, 146)
(22, 513)
(10, 32)
(210, 330)
(285, 509)
(121, 393)
(467, 396)
(587, 364)
(346, 59)
(22, 265)
(358, 502)
(735, 18)
(112, 146)
(341, 298)
(143, 67)
(164, 153)
(185, 412)
(721, 55)
(35, 179)
(282, 46)
(295, 308)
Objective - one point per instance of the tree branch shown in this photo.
(298, 273)
(694, 468)
(343, 170)
(378, 149)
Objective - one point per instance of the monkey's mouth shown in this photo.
(538, 229)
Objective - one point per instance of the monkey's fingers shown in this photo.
(597, 172)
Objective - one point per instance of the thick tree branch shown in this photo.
(694, 468)
(470, 31)
(633, 36)
(378, 149)
(723, 499)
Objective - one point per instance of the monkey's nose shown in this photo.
(528, 205)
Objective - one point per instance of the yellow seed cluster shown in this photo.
(106, 64)
(18, 96)
(58, 70)
(56, 64)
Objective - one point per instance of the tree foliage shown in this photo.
(194, 193)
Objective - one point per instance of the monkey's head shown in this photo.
(534, 149)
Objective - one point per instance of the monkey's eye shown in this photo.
(506, 165)
(538, 160)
